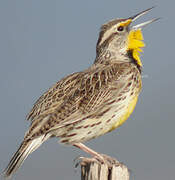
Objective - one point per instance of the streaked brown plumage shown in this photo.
(85, 96)
(90, 103)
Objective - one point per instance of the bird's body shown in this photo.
(92, 103)
(88, 104)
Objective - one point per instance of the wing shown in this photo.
(100, 88)
(55, 96)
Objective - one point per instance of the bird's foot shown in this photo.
(100, 158)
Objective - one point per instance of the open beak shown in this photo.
(139, 26)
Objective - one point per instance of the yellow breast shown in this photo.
(126, 114)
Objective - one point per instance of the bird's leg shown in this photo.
(93, 153)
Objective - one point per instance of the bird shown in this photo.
(90, 103)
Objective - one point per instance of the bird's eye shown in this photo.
(120, 28)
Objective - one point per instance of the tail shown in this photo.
(24, 150)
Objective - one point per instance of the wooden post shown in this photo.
(92, 169)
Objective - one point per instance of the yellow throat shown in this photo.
(135, 43)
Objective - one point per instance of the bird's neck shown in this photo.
(112, 54)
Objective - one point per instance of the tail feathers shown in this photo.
(18, 158)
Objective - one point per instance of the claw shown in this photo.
(77, 161)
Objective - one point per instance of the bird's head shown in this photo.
(119, 37)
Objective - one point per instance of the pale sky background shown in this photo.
(41, 41)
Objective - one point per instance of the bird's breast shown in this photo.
(125, 114)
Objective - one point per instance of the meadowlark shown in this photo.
(90, 103)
